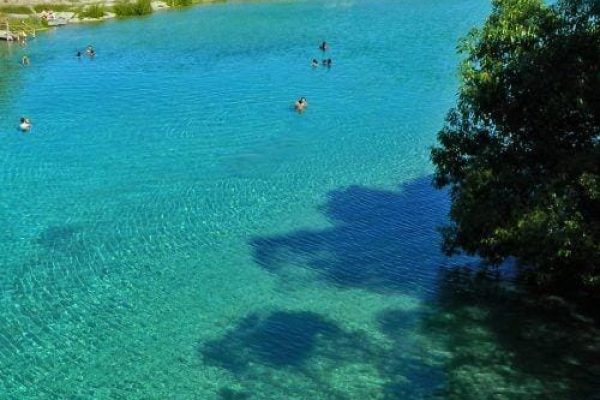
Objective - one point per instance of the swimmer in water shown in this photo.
(314, 63)
(324, 46)
(25, 125)
(301, 104)
(25, 61)
(78, 54)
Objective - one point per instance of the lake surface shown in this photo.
(172, 229)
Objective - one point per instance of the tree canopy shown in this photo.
(521, 150)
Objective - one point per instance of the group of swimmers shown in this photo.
(89, 51)
(301, 103)
(24, 123)
(326, 62)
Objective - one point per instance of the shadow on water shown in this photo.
(281, 339)
(481, 338)
(380, 240)
(498, 342)
(304, 344)
(61, 238)
(411, 366)
(233, 394)
(476, 336)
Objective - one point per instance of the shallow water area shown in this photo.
(173, 229)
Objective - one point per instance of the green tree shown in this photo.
(521, 150)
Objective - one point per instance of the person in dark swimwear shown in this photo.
(324, 46)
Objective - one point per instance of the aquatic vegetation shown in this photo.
(124, 8)
(180, 3)
(93, 11)
(60, 7)
(15, 9)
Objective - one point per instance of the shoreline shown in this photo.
(16, 25)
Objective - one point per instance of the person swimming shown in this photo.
(324, 46)
(24, 125)
(301, 104)
(90, 51)
(327, 62)
(25, 60)
(314, 63)
(78, 54)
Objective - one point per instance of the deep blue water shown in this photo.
(172, 229)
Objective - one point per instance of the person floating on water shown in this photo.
(324, 46)
(314, 63)
(301, 104)
(25, 61)
(24, 125)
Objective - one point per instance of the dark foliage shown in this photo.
(521, 151)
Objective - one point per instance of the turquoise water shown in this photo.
(173, 230)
